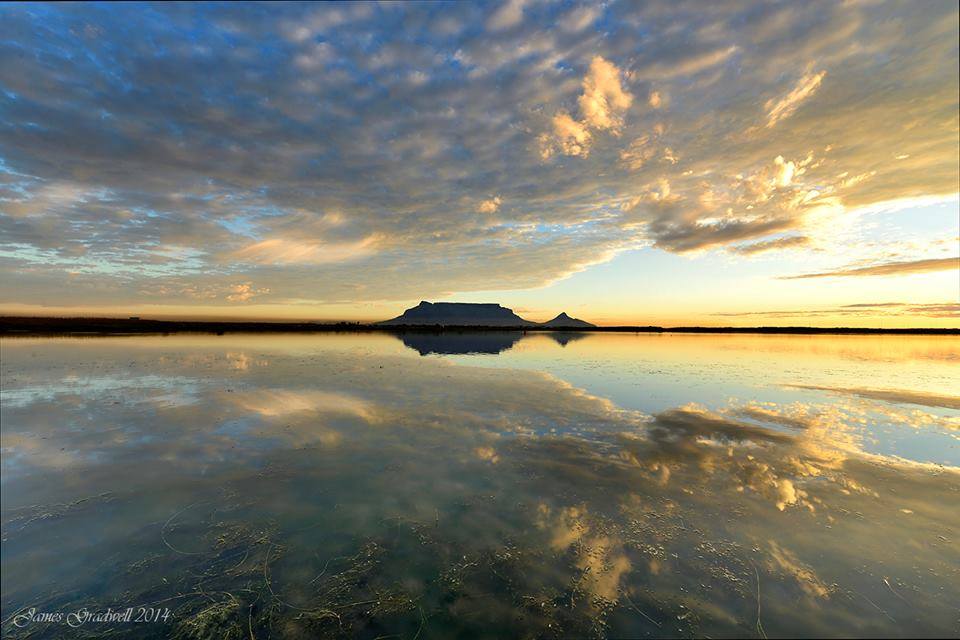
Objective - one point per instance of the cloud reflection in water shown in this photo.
(495, 499)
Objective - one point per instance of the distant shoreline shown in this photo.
(44, 326)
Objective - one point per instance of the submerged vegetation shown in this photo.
(236, 580)
(344, 487)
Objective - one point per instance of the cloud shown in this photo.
(776, 244)
(685, 64)
(696, 422)
(600, 557)
(570, 137)
(785, 560)
(306, 251)
(509, 14)
(640, 151)
(722, 209)
(888, 269)
(314, 23)
(237, 143)
(244, 292)
(282, 403)
(51, 197)
(865, 309)
(578, 19)
(489, 206)
(786, 106)
(951, 310)
(604, 99)
(873, 305)
(892, 395)
(602, 105)
(315, 57)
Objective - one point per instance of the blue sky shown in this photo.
(629, 162)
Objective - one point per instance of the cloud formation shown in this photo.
(509, 14)
(341, 153)
(603, 100)
(244, 292)
(893, 395)
(775, 244)
(601, 106)
(489, 206)
(784, 107)
(878, 309)
(906, 267)
(306, 251)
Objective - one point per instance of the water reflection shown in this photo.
(343, 485)
(464, 342)
(477, 342)
(563, 338)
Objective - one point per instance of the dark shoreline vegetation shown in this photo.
(28, 326)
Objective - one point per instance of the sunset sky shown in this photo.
(667, 163)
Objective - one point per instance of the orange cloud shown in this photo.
(887, 269)
(785, 107)
(306, 251)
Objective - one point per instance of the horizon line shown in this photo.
(86, 325)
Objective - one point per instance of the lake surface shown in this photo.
(481, 486)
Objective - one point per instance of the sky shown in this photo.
(676, 163)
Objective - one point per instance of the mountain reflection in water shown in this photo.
(616, 485)
(450, 342)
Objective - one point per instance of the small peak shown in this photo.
(423, 303)
(563, 320)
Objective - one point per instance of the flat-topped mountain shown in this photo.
(464, 314)
(566, 322)
(469, 314)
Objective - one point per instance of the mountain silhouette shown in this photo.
(462, 314)
(472, 314)
(565, 321)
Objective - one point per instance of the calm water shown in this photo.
(489, 485)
